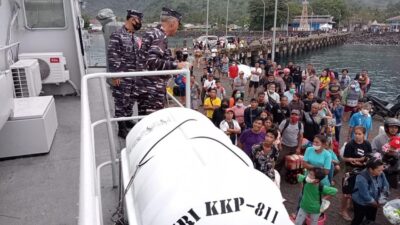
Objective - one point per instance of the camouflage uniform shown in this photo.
(150, 92)
(122, 55)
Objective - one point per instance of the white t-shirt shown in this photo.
(255, 77)
(224, 126)
(209, 84)
(275, 96)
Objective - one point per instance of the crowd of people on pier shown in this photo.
(289, 120)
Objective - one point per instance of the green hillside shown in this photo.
(239, 11)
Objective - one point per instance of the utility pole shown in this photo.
(227, 15)
(287, 20)
(274, 32)
(208, 4)
(263, 28)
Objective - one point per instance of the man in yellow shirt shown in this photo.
(211, 103)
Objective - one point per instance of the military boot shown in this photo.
(122, 129)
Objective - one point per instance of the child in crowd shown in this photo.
(332, 148)
(337, 113)
(363, 119)
(313, 190)
(324, 84)
(221, 93)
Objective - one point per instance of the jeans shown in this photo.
(361, 211)
(301, 217)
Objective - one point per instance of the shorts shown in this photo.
(254, 84)
(348, 108)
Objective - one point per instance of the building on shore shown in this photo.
(394, 24)
(315, 21)
(376, 27)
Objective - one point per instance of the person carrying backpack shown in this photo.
(291, 138)
(355, 155)
(370, 191)
(311, 200)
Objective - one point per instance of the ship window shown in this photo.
(44, 14)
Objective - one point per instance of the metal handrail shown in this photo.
(2, 48)
(89, 201)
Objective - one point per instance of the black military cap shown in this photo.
(131, 13)
(170, 12)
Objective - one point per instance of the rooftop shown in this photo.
(394, 19)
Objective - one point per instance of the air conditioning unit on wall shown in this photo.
(53, 66)
(26, 78)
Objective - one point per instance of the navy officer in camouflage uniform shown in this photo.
(150, 92)
(122, 55)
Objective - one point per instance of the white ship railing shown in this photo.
(90, 210)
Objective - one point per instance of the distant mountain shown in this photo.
(195, 10)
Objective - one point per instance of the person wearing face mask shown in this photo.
(122, 57)
(289, 93)
(317, 156)
(291, 138)
(219, 113)
(363, 119)
(238, 110)
(154, 54)
(311, 199)
(234, 97)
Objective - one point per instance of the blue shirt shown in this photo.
(322, 160)
(368, 192)
(333, 155)
(338, 114)
(358, 119)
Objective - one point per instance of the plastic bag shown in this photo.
(391, 210)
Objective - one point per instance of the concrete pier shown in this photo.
(286, 47)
